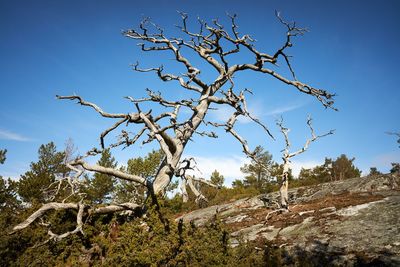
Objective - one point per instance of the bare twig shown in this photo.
(214, 44)
(287, 156)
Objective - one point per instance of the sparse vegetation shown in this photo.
(72, 209)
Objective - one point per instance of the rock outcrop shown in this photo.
(355, 222)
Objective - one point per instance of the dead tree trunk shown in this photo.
(214, 45)
(284, 186)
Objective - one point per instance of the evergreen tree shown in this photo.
(343, 168)
(374, 171)
(259, 172)
(33, 184)
(331, 170)
(277, 170)
(395, 168)
(318, 174)
(305, 174)
(237, 183)
(145, 167)
(10, 208)
(324, 172)
(100, 188)
(8, 196)
(8, 191)
(217, 179)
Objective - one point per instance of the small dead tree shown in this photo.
(213, 44)
(286, 156)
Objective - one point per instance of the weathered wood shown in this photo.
(212, 44)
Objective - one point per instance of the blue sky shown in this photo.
(66, 47)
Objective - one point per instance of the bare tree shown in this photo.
(213, 44)
(283, 190)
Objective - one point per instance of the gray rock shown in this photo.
(366, 233)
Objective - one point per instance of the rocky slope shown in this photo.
(354, 222)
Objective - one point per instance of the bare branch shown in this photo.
(157, 97)
(78, 228)
(208, 134)
(204, 181)
(169, 77)
(103, 134)
(184, 166)
(94, 106)
(40, 212)
(185, 195)
(323, 96)
(110, 171)
(396, 134)
(112, 208)
(212, 43)
(313, 138)
(124, 138)
(173, 45)
(199, 196)
(287, 156)
(292, 30)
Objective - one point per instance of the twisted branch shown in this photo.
(215, 45)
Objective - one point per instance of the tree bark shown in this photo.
(213, 45)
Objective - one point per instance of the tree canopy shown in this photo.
(259, 171)
(100, 187)
(217, 178)
(34, 185)
(143, 166)
(332, 170)
(177, 119)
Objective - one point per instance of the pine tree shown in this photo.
(374, 171)
(217, 179)
(331, 170)
(259, 171)
(395, 168)
(145, 167)
(33, 184)
(237, 183)
(343, 168)
(8, 195)
(100, 188)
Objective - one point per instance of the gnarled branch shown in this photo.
(215, 45)
(287, 156)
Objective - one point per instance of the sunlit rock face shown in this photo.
(343, 223)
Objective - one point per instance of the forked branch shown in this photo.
(286, 156)
(172, 128)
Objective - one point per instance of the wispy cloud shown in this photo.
(383, 161)
(223, 113)
(7, 135)
(306, 164)
(228, 166)
(284, 109)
